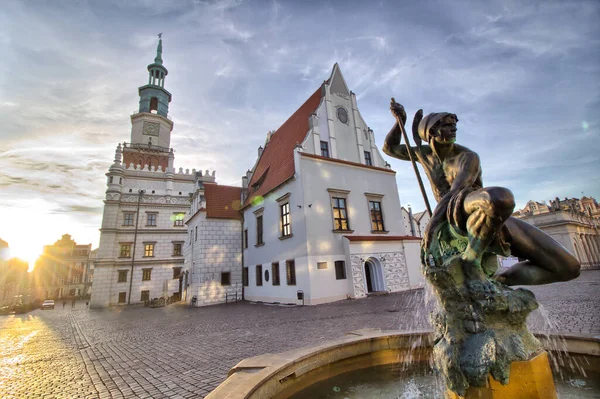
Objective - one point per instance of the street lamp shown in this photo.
(137, 218)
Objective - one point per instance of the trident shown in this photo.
(416, 120)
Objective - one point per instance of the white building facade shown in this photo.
(141, 251)
(322, 219)
(213, 250)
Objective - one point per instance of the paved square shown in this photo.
(177, 352)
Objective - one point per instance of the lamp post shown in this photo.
(137, 218)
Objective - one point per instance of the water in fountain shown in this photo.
(576, 376)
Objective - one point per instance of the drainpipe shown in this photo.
(137, 218)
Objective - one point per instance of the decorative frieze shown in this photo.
(395, 271)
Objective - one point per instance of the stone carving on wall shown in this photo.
(358, 275)
(157, 200)
(395, 271)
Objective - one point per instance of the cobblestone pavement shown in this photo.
(178, 352)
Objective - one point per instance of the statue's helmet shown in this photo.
(428, 122)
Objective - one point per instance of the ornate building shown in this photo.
(62, 270)
(573, 222)
(143, 233)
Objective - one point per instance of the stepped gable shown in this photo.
(222, 202)
(276, 164)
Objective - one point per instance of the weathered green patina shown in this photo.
(481, 325)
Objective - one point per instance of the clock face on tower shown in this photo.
(342, 115)
(151, 128)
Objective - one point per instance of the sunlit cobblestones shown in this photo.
(176, 352)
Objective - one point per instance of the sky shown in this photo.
(523, 78)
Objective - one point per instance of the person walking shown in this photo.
(73, 302)
(64, 304)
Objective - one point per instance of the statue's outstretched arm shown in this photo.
(393, 146)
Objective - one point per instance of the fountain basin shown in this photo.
(282, 375)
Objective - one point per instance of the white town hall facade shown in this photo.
(317, 218)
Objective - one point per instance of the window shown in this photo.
(321, 265)
(122, 297)
(275, 273)
(258, 275)
(340, 214)
(245, 238)
(145, 296)
(151, 221)
(376, 216)
(286, 227)
(61, 280)
(290, 268)
(122, 276)
(125, 251)
(91, 279)
(368, 160)
(76, 280)
(177, 248)
(178, 219)
(325, 149)
(245, 276)
(148, 250)
(176, 272)
(340, 270)
(259, 230)
(226, 278)
(196, 236)
(146, 274)
(128, 219)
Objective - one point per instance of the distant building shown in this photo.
(573, 222)
(415, 223)
(14, 279)
(62, 270)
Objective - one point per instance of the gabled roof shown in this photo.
(222, 202)
(276, 164)
(418, 216)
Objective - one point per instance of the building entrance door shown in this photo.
(374, 276)
(368, 277)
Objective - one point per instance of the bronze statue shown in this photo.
(481, 327)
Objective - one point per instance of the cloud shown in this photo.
(70, 74)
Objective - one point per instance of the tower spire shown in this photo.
(153, 96)
(158, 59)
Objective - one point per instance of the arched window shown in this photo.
(154, 105)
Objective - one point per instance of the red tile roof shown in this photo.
(222, 202)
(382, 238)
(276, 164)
